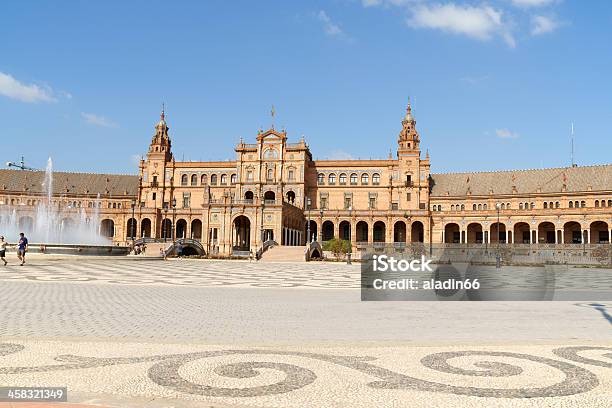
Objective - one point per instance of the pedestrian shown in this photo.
(143, 248)
(3, 245)
(251, 255)
(179, 250)
(162, 253)
(22, 248)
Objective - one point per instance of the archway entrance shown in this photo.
(130, 231)
(572, 233)
(474, 233)
(328, 230)
(546, 232)
(521, 233)
(452, 233)
(399, 232)
(241, 237)
(345, 230)
(379, 231)
(313, 231)
(417, 232)
(145, 228)
(166, 232)
(181, 229)
(269, 196)
(362, 231)
(498, 232)
(248, 196)
(290, 197)
(599, 232)
(107, 228)
(196, 229)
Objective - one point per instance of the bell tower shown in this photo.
(408, 140)
(413, 171)
(160, 147)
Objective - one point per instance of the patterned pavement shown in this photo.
(190, 333)
(185, 272)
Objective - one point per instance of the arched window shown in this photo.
(331, 179)
(233, 179)
(184, 180)
(545, 205)
(474, 207)
(213, 179)
(204, 179)
(353, 179)
(224, 179)
(375, 178)
(603, 203)
(503, 206)
(596, 203)
(557, 204)
(462, 207)
(270, 175)
(484, 207)
(194, 180)
(609, 203)
(583, 204)
(571, 204)
(532, 205)
(452, 207)
(291, 175)
(321, 178)
(343, 179)
(365, 178)
(520, 206)
(479, 207)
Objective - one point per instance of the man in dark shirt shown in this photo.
(22, 247)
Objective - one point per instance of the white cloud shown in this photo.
(97, 120)
(479, 22)
(12, 88)
(506, 134)
(543, 25)
(332, 29)
(532, 3)
(373, 3)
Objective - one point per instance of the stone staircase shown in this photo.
(282, 253)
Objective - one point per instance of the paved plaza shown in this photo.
(193, 333)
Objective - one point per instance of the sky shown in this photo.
(494, 84)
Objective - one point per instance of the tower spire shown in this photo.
(163, 112)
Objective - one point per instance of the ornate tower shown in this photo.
(408, 140)
(160, 146)
(413, 171)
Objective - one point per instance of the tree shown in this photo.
(338, 247)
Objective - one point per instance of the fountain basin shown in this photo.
(77, 249)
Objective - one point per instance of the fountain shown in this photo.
(51, 228)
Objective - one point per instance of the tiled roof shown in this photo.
(576, 179)
(68, 183)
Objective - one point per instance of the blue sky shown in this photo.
(494, 84)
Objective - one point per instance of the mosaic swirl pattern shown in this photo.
(166, 371)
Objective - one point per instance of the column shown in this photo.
(610, 236)
(556, 236)
(489, 236)
(531, 236)
(537, 238)
(443, 235)
(507, 235)
(563, 236)
(588, 236)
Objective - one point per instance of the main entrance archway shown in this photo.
(241, 236)
(417, 232)
(399, 232)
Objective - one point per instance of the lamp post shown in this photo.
(308, 224)
(133, 222)
(498, 255)
(173, 218)
(165, 224)
(350, 250)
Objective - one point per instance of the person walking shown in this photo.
(3, 245)
(22, 248)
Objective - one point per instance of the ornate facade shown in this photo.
(274, 190)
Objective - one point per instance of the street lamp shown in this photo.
(348, 256)
(498, 256)
(308, 224)
(133, 221)
(165, 224)
(173, 218)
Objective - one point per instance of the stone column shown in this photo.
(610, 236)
(563, 236)
(443, 235)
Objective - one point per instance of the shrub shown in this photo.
(338, 247)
